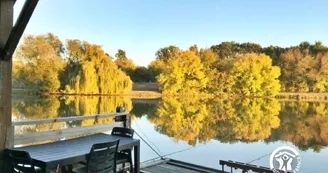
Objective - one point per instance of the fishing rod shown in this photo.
(159, 156)
(169, 154)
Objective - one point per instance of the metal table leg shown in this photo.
(137, 158)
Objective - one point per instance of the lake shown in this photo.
(200, 130)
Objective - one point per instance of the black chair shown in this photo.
(124, 156)
(102, 159)
(21, 162)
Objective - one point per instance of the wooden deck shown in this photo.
(175, 166)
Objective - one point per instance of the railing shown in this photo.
(122, 119)
(245, 167)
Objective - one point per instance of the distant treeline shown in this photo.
(246, 69)
(78, 67)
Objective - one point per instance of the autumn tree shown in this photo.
(183, 74)
(40, 62)
(254, 75)
(124, 63)
(303, 72)
(218, 81)
(293, 77)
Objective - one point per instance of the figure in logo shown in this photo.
(285, 160)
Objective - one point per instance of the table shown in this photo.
(49, 156)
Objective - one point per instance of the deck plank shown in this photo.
(181, 167)
(165, 168)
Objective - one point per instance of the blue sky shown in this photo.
(141, 27)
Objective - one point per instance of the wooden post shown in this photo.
(6, 24)
(124, 118)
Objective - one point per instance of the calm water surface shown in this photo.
(204, 130)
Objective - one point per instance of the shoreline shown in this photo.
(157, 94)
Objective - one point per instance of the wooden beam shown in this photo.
(247, 167)
(69, 132)
(18, 30)
(6, 23)
(65, 119)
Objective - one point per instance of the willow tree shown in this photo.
(183, 74)
(91, 71)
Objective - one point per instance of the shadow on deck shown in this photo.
(175, 166)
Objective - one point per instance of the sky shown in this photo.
(141, 27)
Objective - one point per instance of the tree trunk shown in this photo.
(6, 24)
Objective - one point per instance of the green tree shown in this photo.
(250, 48)
(183, 74)
(218, 82)
(166, 53)
(194, 48)
(121, 55)
(226, 49)
(143, 74)
(274, 52)
(124, 63)
(317, 48)
(255, 75)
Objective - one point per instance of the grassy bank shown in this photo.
(145, 86)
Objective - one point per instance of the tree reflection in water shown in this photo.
(227, 120)
(305, 124)
(194, 120)
(52, 107)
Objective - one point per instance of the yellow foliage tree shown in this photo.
(40, 62)
(254, 75)
(183, 74)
